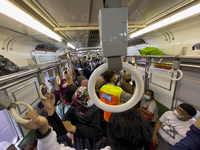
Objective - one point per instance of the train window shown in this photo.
(8, 129)
(187, 89)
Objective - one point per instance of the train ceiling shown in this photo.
(77, 20)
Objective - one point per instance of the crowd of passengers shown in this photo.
(70, 117)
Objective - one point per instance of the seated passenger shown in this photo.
(172, 126)
(148, 107)
(128, 131)
(112, 94)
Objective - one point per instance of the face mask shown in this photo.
(180, 116)
(89, 104)
(64, 85)
(146, 97)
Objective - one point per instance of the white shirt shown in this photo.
(150, 106)
(172, 129)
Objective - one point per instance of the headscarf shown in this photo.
(125, 85)
(52, 80)
(80, 99)
(99, 83)
(126, 77)
(5, 145)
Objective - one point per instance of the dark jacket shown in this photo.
(191, 141)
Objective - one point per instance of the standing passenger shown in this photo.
(112, 94)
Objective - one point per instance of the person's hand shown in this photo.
(154, 139)
(69, 127)
(49, 103)
(56, 85)
(71, 136)
(38, 122)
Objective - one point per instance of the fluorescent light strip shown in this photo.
(17, 14)
(70, 45)
(177, 17)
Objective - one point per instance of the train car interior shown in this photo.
(42, 39)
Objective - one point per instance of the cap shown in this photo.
(189, 109)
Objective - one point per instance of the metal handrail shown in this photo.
(17, 75)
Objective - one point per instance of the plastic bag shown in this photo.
(7, 66)
(151, 51)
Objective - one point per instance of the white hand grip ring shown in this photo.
(58, 80)
(175, 79)
(117, 108)
(65, 70)
(18, 118)
(151, 69)
(88, 57)
(40, 91)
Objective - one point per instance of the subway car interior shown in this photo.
(46, 44)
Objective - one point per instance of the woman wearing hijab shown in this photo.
(52, 84)
(83, 120)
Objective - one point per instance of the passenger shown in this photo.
(84, 82)
(119, 134)
(98, 85)
(128, 131)
(79, 79)
(52, 84)
(112, 94)
(125, 85)
(82, 119)
(192, 140)
(46, 136)
(86, 71)
(64, 106)
(148, 107)
(172, 126)
(7, 146)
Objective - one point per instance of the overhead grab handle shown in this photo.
(175, 79)
(15, 115)
(58, 80)
(40, 90)
(89, 57)
(65, 71)
(117, 108)
(150, 69)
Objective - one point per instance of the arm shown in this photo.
(68, 77)
(124, 97)
(145, 111)
(91, 130)
(46, 137)
(53, 118)
(191, 141)
(155, 131)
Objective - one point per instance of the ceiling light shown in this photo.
(174, 18)
(10, 10)
(70, 45)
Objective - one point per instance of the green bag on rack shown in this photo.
(151, 51)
